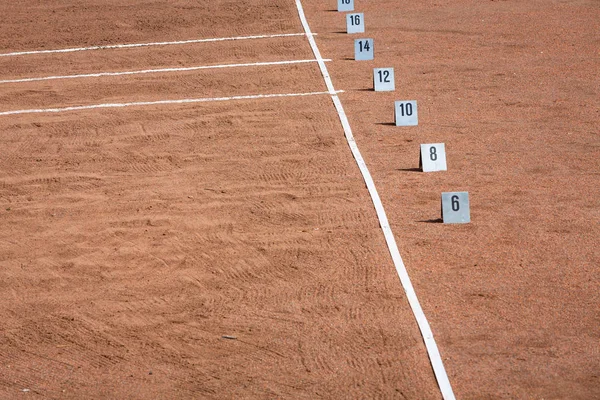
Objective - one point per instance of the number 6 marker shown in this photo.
(355, 23)
(406, 113)
(455, 208)
(433, 157)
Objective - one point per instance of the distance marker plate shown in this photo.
(355, 23)
(383, 79)
(363, 49)
(455, 208)
(433, 157)
(405, 113)
(345, 5)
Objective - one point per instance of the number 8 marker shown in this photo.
(433, 157)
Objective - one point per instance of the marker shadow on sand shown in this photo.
(409, 169)
(433, 221)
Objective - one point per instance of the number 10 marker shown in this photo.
(406, 113)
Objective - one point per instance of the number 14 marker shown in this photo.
(363, 49)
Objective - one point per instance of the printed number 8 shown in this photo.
(433, 155)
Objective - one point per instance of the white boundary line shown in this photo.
(432, 349)
(155, 71)
(131, 45)
(160, 102)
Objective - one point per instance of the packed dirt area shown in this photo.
(230, 249)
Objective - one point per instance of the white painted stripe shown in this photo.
(156, 71)
(432, 349)
(131, 45)
(160, 102)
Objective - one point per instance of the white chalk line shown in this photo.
(161, 102)
(430, 344)
(133, 45)
(156, 71)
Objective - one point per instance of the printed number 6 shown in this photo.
(455, 203)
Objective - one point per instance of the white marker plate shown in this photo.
(433, 157)
(363, 49)
(455, 208)
(405, 112)
(355, 23)
(383, 79)
(345, 5)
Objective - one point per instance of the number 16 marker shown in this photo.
(355, 23)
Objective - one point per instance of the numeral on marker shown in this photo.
(456, 208)
(345, 5)
(355, 23)
(363, 49)
(406, 113)
(383, 79)
(433, 157)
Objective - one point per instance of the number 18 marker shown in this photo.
(345, 5)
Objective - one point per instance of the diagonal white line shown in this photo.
(156, 71)
(160, 102)
(431, 346)
(132, 45)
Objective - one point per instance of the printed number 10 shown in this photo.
(409, 108)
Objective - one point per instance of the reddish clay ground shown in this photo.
(132, 240)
